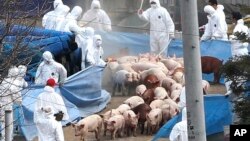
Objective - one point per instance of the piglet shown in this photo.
(91, 123)
(142, 110)
(106, 116)
(116, 124)
(134, 101)
(154, 119)
(131, 121)
(123, 107)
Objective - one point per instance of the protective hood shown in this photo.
(95, 4)
(62, 10)
(97, 39)
(47, 56)
(156, 1)
(76, 12)
(209, 9)
(184, 114)
(13, 72)
(22, 70)
(56, 3)
(220, 7)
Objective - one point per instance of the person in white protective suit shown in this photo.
(49, 129)
(96, 18)
(7, 89)
(238, 48)
(216, 28)
(56, 17)
(94, 54)
(20, 83)
(70, 21)
(49, 68)
(49, 98)
(84, 40)
(161, 26)
(50, 13)
(179, 131)
(219, 9)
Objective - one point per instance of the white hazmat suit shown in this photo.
(84, 40)
(179, 131)
(161, 26)
(94, 54)
(55, 17)
(7, 89)
(49, 68)
(20, 83)
(96, 18)
(238, 48)
(50, 98)
(70, 21)
(50, 13)
(49, 129)
(216, 28)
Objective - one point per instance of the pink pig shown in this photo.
(131, 122)
(91, 123)
(116, 124)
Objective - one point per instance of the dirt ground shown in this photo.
(115, 102)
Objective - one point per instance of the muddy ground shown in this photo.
(115, 102)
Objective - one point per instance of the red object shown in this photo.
(51, 82)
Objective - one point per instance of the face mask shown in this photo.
(98, 43)
(153, 5)
(96, 8)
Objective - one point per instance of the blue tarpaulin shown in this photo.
(217, 115)
(82, 94)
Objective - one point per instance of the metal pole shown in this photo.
(8, 125)
(192, 64)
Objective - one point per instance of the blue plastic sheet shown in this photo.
(218, 113)
(81, 93)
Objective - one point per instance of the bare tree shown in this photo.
(18, 19)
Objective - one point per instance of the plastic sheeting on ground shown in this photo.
(218, 113)
(81, 93)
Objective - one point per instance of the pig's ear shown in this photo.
(111, 112)
(129, 116)
(73, 125)
(177, 100)
(113, 122)
(138, 116)
(156, 116)
(81, 126)
(129, 104)
(101, 115)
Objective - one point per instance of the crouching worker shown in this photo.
(49, 128)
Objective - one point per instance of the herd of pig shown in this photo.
(153, 102)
